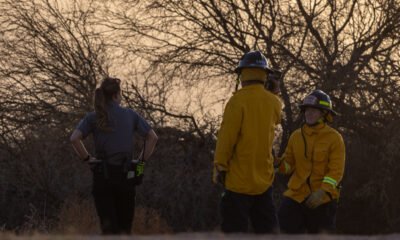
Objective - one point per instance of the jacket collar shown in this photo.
(253, 86)
(314, 129)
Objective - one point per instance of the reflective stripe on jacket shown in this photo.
(324, 166)
(245, 140)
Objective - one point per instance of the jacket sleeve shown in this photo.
(335, 166)
(228, 135)
(279, 111)
(287, 161)
(87, 125)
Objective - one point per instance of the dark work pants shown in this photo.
(114, 198)
(237, 209)
(296, 218)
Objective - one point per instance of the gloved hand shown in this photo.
(273, 83)
(221, 177)
(315, 199)
(277, 164)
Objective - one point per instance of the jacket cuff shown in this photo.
(220, 168)
(329, 184)
(330, 181)
(217, 168)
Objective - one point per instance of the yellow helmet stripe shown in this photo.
(325, 103)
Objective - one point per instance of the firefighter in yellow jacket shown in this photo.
(315, 158)
(243, 159)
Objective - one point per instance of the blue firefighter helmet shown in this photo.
(253, 59)
(318, 99)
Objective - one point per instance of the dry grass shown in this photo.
(148, 221)
(79, 217)
(197, 236)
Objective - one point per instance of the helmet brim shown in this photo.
(239, 69)
(303, 106)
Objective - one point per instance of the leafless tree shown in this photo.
(347, 48)
(177, 57)
(52, 59)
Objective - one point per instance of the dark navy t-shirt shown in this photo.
(124, 123)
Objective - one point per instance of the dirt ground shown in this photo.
(199, 236)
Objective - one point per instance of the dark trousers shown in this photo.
(114, 198)
(237, 209)
(296, 218)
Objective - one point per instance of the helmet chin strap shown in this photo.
(328, 117)
(325, 118)
(237, 83)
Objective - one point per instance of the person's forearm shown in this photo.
(149, 149)
(151, 141)
(80, 149)
(76, 141)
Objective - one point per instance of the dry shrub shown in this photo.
(37, 180)
(35, 222)
(369, 200)
(177, 194)
(177, 182)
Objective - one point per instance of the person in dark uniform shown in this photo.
(113, 128)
